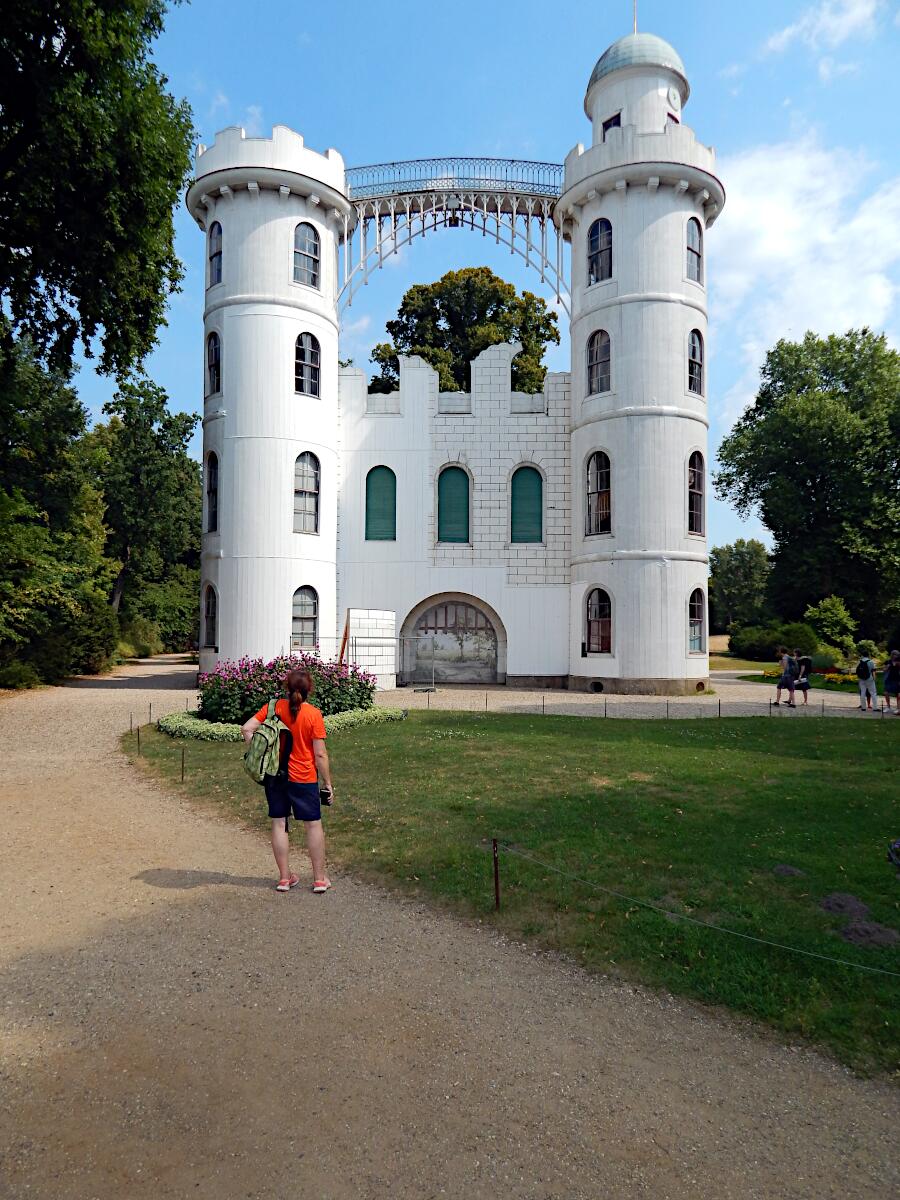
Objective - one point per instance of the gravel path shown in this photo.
(173, 1028)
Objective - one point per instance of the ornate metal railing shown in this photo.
(495, 175)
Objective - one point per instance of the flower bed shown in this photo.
(234, 691)
(190, 725)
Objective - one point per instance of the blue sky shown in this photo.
(797, 98)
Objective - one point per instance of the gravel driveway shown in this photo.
(173, 1028)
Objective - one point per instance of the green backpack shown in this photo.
(263, 756)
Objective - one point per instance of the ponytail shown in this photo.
(298, 686)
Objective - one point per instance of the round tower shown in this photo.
(273, 213)
(636, 206)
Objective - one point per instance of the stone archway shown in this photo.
(464, 635)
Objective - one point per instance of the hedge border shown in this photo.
(189, 725)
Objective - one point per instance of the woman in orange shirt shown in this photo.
(299, 792)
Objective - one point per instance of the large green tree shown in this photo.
(738, 579)
(150, 485)
(450, 322)
(818, 456)
(94, 153)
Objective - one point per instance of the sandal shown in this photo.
(285, 885)
(321, 885)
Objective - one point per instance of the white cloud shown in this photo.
(801, 244)
(830, 70)
(351, 329)
(829, 24)
(253, 120)
(732, 71)
(219, 103)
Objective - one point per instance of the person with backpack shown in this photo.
(892, 682)
(789, 672)
(865, 674)
(804, 668)
(294, 789)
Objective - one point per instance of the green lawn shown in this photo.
(725, 662)
(693, 816)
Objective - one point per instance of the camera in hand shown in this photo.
(325, 795)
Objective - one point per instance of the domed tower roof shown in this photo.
(639, 50)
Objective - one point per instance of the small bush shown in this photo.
(190, 725)
(827, 658)
(144, 636)
(234, 691)
(755, 643)
(799, 636)
(19, 676)
(867, 647)
(124, 651)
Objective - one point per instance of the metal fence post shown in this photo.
(139, 738)
(151, 713)
(496, 874)
(131, 722)
(182, 764)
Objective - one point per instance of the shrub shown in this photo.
(144, 636)
(867, 647)
(81, 639)
(19, 676)
(234, 691)
(755, 643)
(799, 636)
(827, 658)
(124, 651)
(190, 725)
(831, 620)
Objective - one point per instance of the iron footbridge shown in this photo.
(508, 199)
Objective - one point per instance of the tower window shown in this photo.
(305, 618)
(526, 506)
(695, 362)
(612, 123)
(694, 251)
(213, 365)
(381, 505)
(598, 362)
(306, 255)
(215, 253)
(598, 639)
(695, 493)
(210, 617)
(599, 251)
(212, 494)
(697, 622)
(598, 507)
(306, 365)
(453, 505)
(306, 494)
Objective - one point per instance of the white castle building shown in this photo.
(552, 539)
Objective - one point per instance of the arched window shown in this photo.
(695, 493)
(305, 618)
(215, 253)
(453, 505)
(694, 251)
(695, 362)
(527, 506)
(598, 634)
(599, 251)
(306, 494)
(381, 505)
(598, 362)
(212, 494)
(306, 255)
(213, 364)
(598, 508)
(306, 365)
(210, 617)
(697, 622)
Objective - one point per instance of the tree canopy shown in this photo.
(94, 153)
(738, 579)
(450, 322)
(818, 456)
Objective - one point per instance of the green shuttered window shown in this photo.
(526, 524)
(453, 505)
(381, 505)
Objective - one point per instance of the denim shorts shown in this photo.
(297, 800)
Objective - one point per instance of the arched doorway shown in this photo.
(458, 637)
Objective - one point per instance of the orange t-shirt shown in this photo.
(308, 725)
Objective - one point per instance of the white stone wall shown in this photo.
(373, 643)
(490, 433)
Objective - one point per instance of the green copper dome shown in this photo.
(639, 50)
